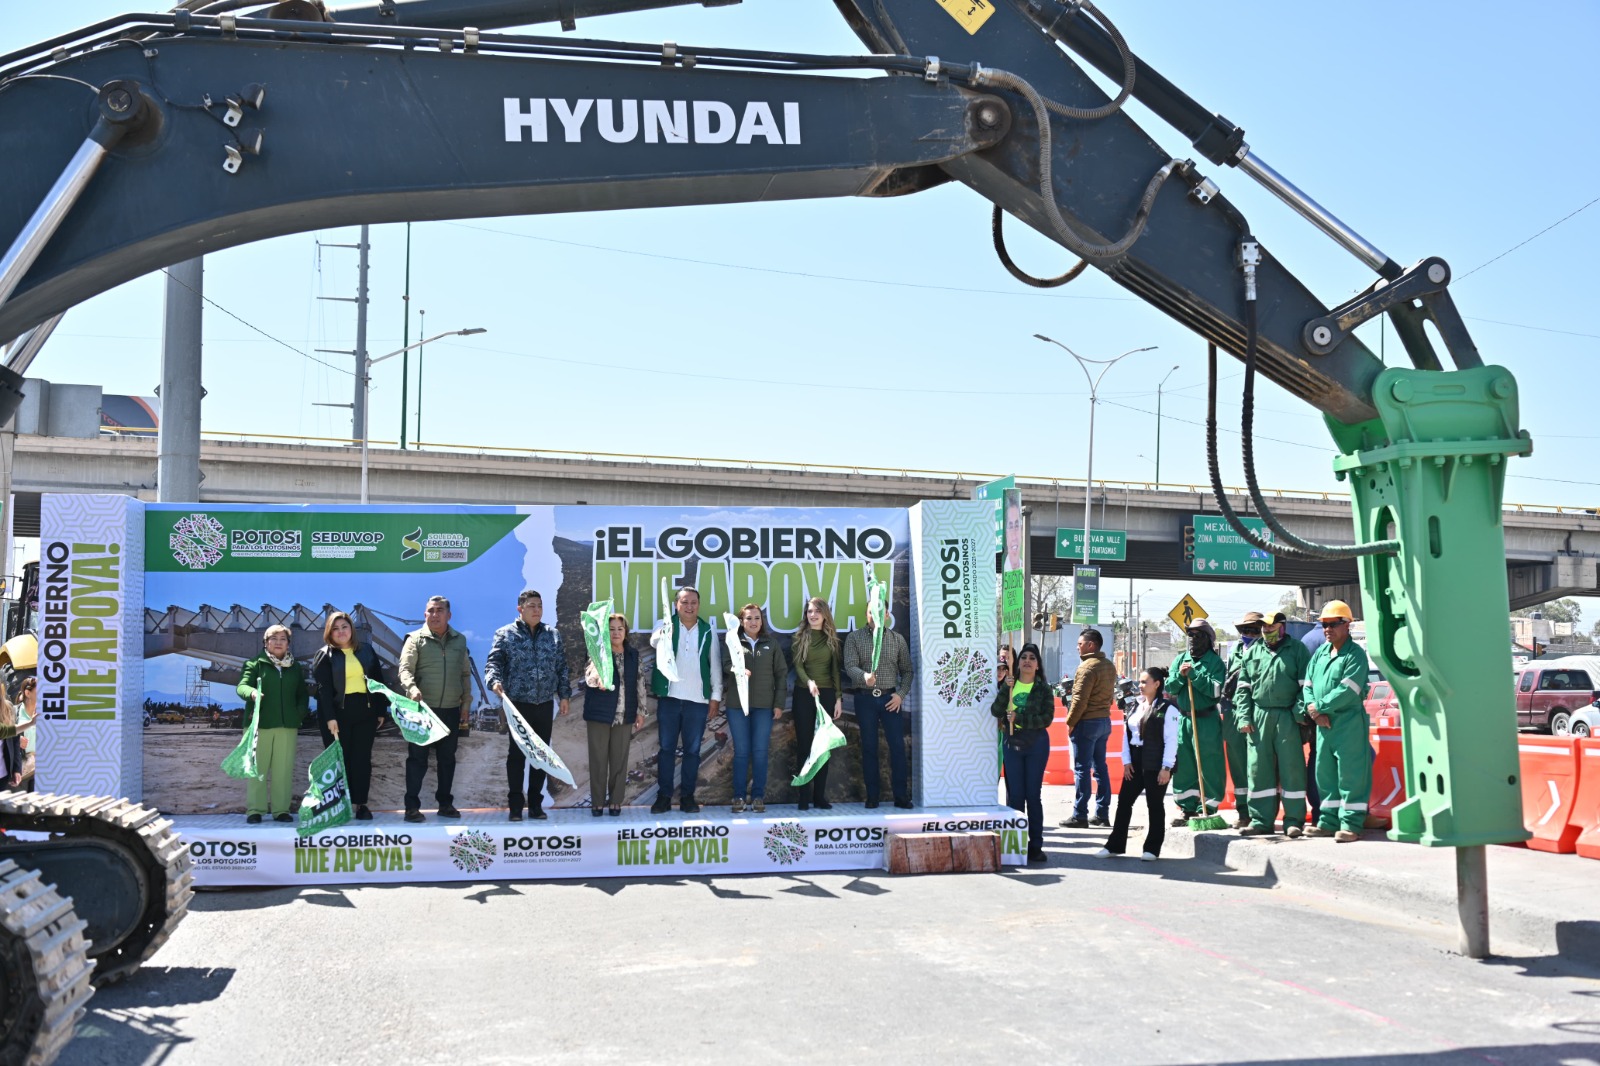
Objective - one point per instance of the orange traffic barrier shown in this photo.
(1549, 791)
(1586, 803)
(1058, 768)
(1388, 776)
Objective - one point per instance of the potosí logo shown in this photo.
(785, 842)
(472, 850)
(691, 845)
(835, 841)
(223, 854)
(521, 849)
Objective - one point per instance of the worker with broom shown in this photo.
(1195, 685)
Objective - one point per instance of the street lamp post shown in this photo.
(1158, 426)
(1094, 393)
(366, 388)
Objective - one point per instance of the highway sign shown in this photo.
(1109, 544)
(996, 490)
(1220, 552)
(1187, 611)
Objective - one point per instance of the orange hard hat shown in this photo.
(1335, 609)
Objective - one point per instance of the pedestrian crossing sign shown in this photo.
(1188, 610)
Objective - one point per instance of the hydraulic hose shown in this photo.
(1246, 428)
(1020, 274)
(1129, 71)
(1249, 535)
(1080, 247)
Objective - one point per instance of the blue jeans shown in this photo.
(1025, 758)
(870, 710)
(752, 735)
(1089, 754)
(682, 723)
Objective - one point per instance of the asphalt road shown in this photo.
(1086, 961)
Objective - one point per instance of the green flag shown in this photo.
(597, 635)
(827, 738)
(327, 801)
(415, 719)
(540, 754)
(878, 612)
(241, 761)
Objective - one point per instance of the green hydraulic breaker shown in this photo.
(1430, 472)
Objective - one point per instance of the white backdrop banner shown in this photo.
(91, 646)
(485, 847)
(953, 586)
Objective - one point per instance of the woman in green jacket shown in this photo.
(816, 670)
(284, 703)
(1025, 706)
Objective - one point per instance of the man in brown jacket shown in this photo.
(1089, 719)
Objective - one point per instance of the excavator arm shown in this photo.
(146, 141)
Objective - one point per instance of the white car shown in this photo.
(1585, 722)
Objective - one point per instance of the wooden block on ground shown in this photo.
(918, 853)
(974, 853)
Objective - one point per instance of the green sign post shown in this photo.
(1108, 544)
(996, 490)
(1085, 595)
(1220, 552)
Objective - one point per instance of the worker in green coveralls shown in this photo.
(1267, 708)
(1198, 669)
(1233, 735)
(1334, 698)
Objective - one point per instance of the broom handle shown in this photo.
(1194, 728)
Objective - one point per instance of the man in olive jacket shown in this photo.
(1089, 721)
(436, 669)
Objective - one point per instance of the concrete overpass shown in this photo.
(1550, 551)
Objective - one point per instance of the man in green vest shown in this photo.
(684, 706)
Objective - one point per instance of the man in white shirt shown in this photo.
(684, 706)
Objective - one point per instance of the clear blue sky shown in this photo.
(1455, 129)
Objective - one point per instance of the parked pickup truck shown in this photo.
(1550, 690)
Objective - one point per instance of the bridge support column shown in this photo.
(178, 437)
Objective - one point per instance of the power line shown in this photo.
(792, 273)
(258, 329)
(1536, 236)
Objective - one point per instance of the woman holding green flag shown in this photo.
(611, 715)
(1025, 706)
(751, 727)
(278, 680)
(348, 711)
(816, 668)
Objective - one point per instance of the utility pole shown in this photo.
(358, 403)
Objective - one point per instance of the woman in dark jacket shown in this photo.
(611, 721)
(277, 677)
(349, 713)
(1025, 706)
(1149, 749)
(767, 673)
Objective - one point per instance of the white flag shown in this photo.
(736, 660)
(542, 755)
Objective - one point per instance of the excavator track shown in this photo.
(45, 972)
(162, 859)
